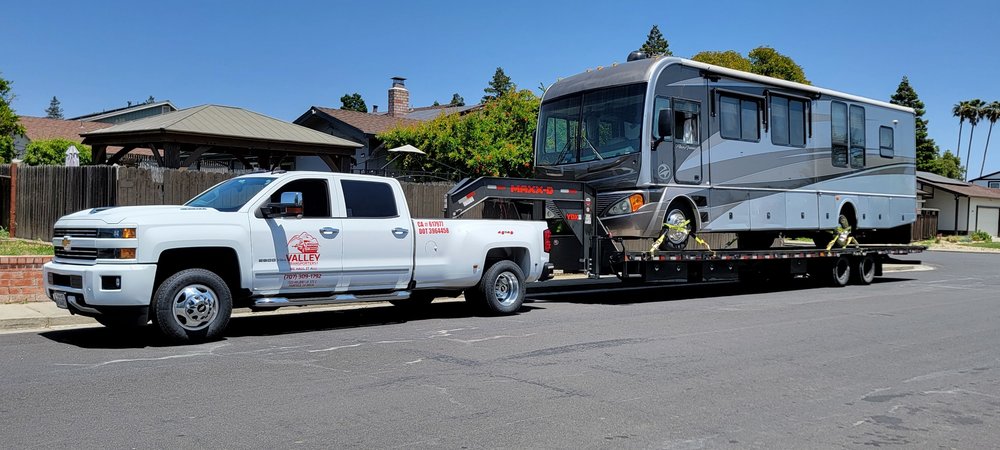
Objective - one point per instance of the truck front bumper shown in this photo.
(88, 288)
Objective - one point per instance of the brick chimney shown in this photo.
(399, 98)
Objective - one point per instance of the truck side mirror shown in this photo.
(290, 205)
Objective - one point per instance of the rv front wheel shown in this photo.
(678, 227)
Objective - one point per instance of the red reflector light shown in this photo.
(547, 240)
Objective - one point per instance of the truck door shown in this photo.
(687, 141)
(378, 237)
(298, 255)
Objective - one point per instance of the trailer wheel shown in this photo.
(677, 238)
(501, 289)
(863, 270)
(193, 305)
(840, 272)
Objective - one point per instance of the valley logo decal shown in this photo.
(303, 252)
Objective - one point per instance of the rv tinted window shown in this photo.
(885, 142)
(857, 136)
(738, 118)
(562, 126)
(659, 104)
(838, 134)
(369, 199)
(788, 121)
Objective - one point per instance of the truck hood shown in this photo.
(136, 214)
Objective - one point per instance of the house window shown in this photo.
(995, 184)
(739, 118)
(885, 142)
(838, 134)
(857, 137)
(788, 121)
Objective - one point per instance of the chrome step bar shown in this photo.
(275, 302)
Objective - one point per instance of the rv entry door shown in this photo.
(687, 141)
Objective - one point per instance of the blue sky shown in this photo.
(280, 58)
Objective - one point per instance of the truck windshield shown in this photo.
(594, 125)
(230, 195)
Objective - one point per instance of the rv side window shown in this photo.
(739, 118)
(838, 134)
(788, 121)
(885, 142)
(857, 137)
(686, 126)
(660, 104)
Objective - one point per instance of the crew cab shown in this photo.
(267, 240)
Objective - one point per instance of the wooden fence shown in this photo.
(46, 193)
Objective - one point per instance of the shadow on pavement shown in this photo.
(271, 325)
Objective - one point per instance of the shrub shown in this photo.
(52, 152)
(980, 235)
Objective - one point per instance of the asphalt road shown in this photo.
(911, 361)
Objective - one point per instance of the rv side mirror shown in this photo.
(663, 122)
(290, 205)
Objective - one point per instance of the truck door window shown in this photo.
(315, 196)
(368, 199)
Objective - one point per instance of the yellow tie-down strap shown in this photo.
(678, 227)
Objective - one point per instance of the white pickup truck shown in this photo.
(268, 240)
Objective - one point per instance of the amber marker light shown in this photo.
(636, 201)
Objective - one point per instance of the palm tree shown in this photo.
(960, 110)
(974, 113)
(990, 112)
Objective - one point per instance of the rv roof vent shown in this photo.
(637, 55)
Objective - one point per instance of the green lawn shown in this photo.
(20, 247)
(982, 244)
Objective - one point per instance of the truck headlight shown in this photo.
(626, 205)
(116, 233)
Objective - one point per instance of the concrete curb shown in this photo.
(20, 317)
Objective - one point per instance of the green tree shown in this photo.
(973, 112)
(54, 111)
(52, 152)
(927, 150)
(499, 85)
(729, 58)
(492, 141)
(353, 102)
(456, 100)
(9, 122)
(655, 44)
(961, 111)
(990, 112)
(768, 62)
(948, 165)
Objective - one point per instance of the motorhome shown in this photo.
(675, 146)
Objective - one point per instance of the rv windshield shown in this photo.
(591, 126)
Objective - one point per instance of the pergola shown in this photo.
(182, 138)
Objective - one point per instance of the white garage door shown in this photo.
(988, 220)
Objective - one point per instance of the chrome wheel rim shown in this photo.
(507, 288)
(677, 235)
(195, 307)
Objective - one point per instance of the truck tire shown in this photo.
(840, 271)
(193, 305)
(677, 239)
(863, 270)
(501, 290)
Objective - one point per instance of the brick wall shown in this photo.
(21, 279)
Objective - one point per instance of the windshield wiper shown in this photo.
(596, 153)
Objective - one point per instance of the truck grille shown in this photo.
(77, 253)
(75, 232)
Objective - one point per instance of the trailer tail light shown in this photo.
(547, 240)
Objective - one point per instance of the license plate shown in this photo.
(60, 299)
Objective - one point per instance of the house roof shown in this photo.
(432, 112)
(38, 128)
(957, 187)
(124, 110)
(214, 121)
(989, 176)
(367, 123)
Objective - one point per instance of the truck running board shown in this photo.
(275, 302)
